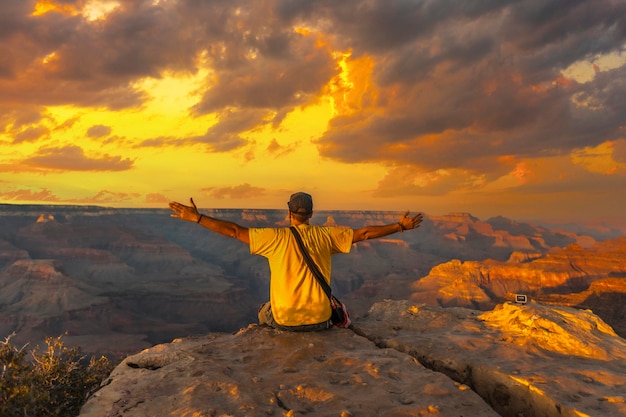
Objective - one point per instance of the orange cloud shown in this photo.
(73, 158)
(154, 198)
(30, 134)
(45, 6)
(279, 150)
(409, 180)
(619, 151)
(43, 195)
(98, 131)
(239, 191)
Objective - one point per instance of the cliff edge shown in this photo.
(401, 359)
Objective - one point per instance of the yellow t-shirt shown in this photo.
(295, 295)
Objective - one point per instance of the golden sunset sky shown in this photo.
(513, 108)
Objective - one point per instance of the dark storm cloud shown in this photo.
(272, 83)
(382, 26)
(255, 60)
(224, 136)
(487, 84)
(58, 59)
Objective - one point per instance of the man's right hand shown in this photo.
(410, 223)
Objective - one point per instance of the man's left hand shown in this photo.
(183, 212)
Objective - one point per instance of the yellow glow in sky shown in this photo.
(98, 9)
(598, 159)
(45, 6)
(92, 10)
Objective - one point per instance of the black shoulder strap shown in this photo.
(307, 258)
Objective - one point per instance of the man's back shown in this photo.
(296, 297)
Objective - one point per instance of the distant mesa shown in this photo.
(45, 218)
(457, 217)
(330, 221)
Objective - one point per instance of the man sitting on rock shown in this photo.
(297, 300)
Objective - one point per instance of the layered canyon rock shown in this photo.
(605, 297)
(401, 359)
(561, 276)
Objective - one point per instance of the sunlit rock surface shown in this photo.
(481, 284)
(606, 297)
(402, 359)
(265, 372)
(525, 360)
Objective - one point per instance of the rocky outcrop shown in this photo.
(530, 360)
(401, 359)
(259, 372)
(42, 285)
(570, 270)
(605, 297)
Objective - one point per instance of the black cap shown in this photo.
(301, 203)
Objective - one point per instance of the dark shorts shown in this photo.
(265, 317)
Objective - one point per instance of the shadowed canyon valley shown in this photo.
(435, 331)
(116, 281)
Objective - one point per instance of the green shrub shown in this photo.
(50, 381)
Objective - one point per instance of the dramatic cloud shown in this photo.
(473, 79)
(466, 89)
(406, 180)
(225, 135)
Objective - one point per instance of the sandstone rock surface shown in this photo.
(401, 359)
(524, 360)
(265, 372)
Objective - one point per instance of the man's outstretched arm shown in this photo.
(223, 227)
(373, 232)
